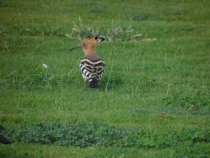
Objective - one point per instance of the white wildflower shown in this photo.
(44, 66)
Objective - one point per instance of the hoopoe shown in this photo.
(92, 65)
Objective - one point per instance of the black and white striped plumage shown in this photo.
(92, 65)
(92, 70)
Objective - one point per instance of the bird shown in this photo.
(2, 138)
(91, 65)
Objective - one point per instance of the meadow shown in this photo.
(154, 98)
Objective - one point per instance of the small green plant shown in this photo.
(198, 150)
(97, 134)
(197, 103)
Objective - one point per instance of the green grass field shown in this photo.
(156, 82)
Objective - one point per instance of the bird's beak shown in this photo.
(76, 47)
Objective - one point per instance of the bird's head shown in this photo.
(89, 44)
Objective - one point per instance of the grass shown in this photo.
(157, 70)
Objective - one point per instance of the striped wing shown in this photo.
(92, 69)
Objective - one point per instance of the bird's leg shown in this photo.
(85, 83)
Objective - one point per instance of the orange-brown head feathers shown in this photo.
(89, 44)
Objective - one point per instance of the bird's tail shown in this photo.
(94, 83)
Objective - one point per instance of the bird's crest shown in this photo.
(90, 42)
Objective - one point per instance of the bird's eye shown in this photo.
(84, 44)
